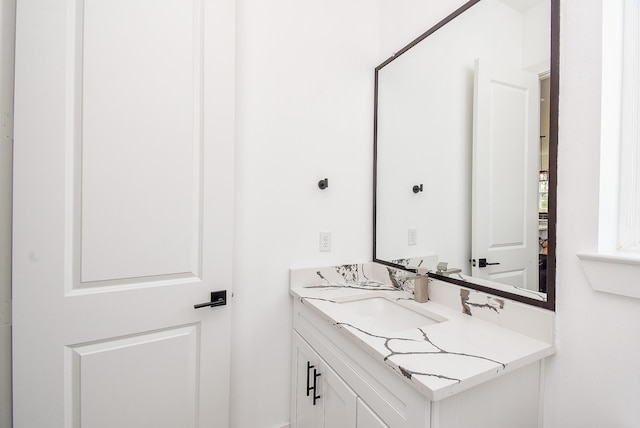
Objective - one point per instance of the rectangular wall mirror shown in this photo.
(465, 144)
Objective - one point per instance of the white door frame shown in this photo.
(7, 39)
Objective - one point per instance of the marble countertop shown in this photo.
(452, 354)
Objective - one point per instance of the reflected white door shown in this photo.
(506, 145)
(123, 187)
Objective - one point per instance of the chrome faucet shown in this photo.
(442, 269)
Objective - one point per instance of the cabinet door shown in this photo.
(305, 411)
(320, 398)
(366, 418)
(339, 400)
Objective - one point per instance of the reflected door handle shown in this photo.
(483, 263)
(218, 298)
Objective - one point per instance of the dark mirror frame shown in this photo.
(550, 303)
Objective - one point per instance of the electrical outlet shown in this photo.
(325, 241)
(413, 236)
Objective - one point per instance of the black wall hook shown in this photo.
(417, 188)
(323, 184)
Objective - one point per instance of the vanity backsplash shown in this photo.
(529, 320)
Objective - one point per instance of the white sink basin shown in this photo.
(378, 313)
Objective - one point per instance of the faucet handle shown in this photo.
(417, 276)
(441, 267)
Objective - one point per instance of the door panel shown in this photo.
(505, 170)
(156, 375)
(141, 168)
(123, 212)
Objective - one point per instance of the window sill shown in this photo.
(612, 272)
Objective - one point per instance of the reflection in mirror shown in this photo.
(463, 141)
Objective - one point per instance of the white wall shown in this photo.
(425, 132)
(537, 39)
(594, 379)
(404, 20)
(304, 113)
(7, 14)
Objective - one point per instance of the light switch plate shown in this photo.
(325, 241)
(412, 236)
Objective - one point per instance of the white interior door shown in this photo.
(506, 147)
(123, 198)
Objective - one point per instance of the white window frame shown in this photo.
(629, 202)
(618, 249)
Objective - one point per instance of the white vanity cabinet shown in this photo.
(321, 398)
(366, 418)
(355, 389)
